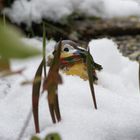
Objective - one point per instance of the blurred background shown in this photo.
(78, 20)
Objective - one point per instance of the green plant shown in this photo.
(51, 136)
(11, 47)
(89, 62)
(50, 84)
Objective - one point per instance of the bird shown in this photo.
(73, 60)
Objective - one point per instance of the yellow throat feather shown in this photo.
(78, 68)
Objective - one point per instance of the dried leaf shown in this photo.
(54, 77)
(10, 72)
(35, 96)
(51, 85)
(90, 75)
(26, 82)
(4, 64)
(1, 4)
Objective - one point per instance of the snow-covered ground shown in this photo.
(118, 99)
(35, 10)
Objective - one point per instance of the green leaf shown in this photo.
(11, 45)
(53, 136)
(89, 62)
(44, 49)
(35, 138)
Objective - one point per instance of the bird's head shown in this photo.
(73, 60)
(70, 52)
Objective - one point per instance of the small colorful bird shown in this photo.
(73, 60)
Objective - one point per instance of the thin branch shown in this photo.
(28, 118)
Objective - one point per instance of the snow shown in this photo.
(117, 93)
(55, 10)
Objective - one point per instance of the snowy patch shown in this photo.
(118, 99)
(35, 10)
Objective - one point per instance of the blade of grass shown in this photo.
(37, 84)
(44, 49)
(139, 75)
(90, 75)
(26, 123)
(35, 96)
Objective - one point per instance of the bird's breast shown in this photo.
(77, 69)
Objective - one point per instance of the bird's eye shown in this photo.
(66, 49)
(54, 52)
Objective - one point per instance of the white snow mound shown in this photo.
(118, 99)
(34, 10)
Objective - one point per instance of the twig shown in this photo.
(25, 125)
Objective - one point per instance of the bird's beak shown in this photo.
(79, 53)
